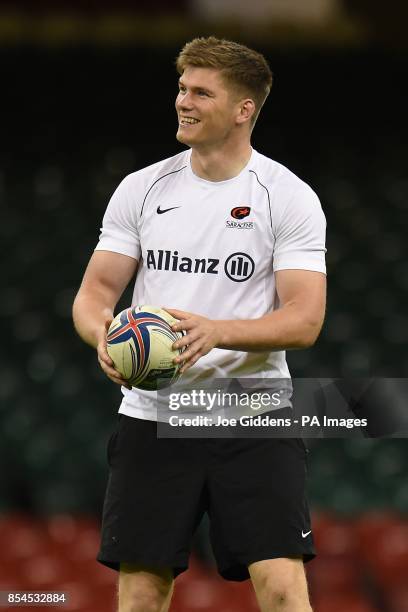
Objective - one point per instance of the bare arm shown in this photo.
(105, 279)
(296, 324)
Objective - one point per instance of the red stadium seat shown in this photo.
(336, 568)
(20, 537)
(385, 548)
(58, 553)
(370, 527)
(334, 575)
(396, 600)
(334, 536)
(353, 602)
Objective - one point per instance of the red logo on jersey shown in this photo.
(240, 212)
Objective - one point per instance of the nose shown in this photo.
(183, 101)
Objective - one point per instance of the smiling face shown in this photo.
(208, 111)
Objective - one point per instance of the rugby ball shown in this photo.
(139, 342)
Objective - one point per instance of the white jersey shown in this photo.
(212, 248)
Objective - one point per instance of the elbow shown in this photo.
(306, 342)
(76, 314)
(76, 307)
(310, 334)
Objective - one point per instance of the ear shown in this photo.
(246, 110)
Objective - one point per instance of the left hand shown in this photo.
(201, 336)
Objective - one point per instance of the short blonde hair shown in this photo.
(243, 68)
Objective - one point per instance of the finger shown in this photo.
(112, 373)
(121, 382)
(184, 325)
(118, 380)
(109, 370)
(103, 353)
(106, 359)
(108, 324)
(178, 314)
(188, 353)
(185, 340)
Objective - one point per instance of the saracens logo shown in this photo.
(240, 212)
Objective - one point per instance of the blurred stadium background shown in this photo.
(87, 97)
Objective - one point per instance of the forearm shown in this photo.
(296, 324)
(285, 328)
(92, 312)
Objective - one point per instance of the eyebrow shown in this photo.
(197, 87)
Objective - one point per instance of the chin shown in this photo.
(183, 138)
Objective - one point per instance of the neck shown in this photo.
(219, 164)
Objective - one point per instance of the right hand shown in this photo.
(106, 362)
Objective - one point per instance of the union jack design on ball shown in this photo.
(135, 325)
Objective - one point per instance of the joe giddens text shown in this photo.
(262, 421)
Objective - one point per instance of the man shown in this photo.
(232, 244)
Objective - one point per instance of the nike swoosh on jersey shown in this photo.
(304, 535)
(164, 210)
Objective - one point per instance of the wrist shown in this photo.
(221, 333)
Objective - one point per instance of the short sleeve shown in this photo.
(119, 232)
(300, 234)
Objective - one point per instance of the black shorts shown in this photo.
(159, 488)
